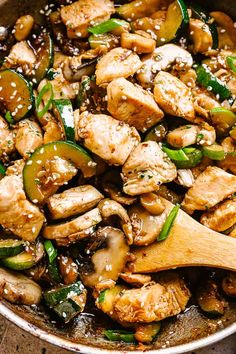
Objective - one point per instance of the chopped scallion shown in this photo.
(51, 250)
(119, 335)
(168, 223)
(2, 169)
(46, 88)
(231, 61)
(107, 26)
(9, 118)
(176, 155)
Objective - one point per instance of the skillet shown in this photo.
(186, 332)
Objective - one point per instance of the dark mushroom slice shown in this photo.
(209, 299)
(106, 263)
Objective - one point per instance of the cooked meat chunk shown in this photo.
(108, 138)
(132, 104)
(152, 303)
(173, 96)
(146, 168)
(137, 43)
(73, 201)
(211, 187)
(137, 280)
(56, 172)
(183, 136)
(17, 214)
(52, 132)
(16, 168)
(201, 36)
(7, 140)
(73, 227)
(82, 14)
(207, 134)
(203, 103)
(119, 62)
(28, 137)
(229, 162)
(185, 177)
(21, 55)
(222, 217)
(19, 289)
(161, 59)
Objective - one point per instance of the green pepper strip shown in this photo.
(9, 118)
(46, 88)
(2, 169)
(168, 223)
(107, 26)
(176, 155)
(231, 61)
(51, 250)
(119, 335)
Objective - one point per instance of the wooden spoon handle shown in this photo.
(188, 244)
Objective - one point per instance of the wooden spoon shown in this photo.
(189, 244)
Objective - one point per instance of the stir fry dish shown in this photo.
(108, 110)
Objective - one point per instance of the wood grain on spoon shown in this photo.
(189, 244)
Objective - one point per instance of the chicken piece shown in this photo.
(211, 187)
(161, 59)
(21, 55)
(222, 217)
(203, 103)
(229, 162)
(28, 137)
(152, 303)
(16, 168)
(207, 134)
(173, 96)
(137, 280)
(106, 137)
(137, 43)
(201, 35)
(229, 284)
(118, 62)
(73, 227)
(7, 140)
(56, 172)
(17, 214)
(52, 132)
(185, 177)
(132, 104)
(146, 168)
(82, 14)
(73, 201)
(19, 289)
(61, 88)
(183, 136)
(196, 171)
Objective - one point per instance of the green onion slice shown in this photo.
(107, 26)
(51, 250)
(119, 335)
(176, 155)
(231, 61)
(46, 88)
(2, 169)
(168, 223)
(9, 118)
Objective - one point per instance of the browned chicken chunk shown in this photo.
(17, 214)
(28, 137)
(210, 188)
(6, 140)
(132, 104)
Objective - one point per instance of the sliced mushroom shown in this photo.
(19, 289)
(183, 136)
(74, 70)
(201, 36)
(161, 59)
(185, 178)
(68, 269)
(73, 227)
(137, 280)
(106, 263)
(210, 300)
(146, 227)
(84, 234)
(116, 194)
(108, 207)
(152, 203)
(73, 201)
